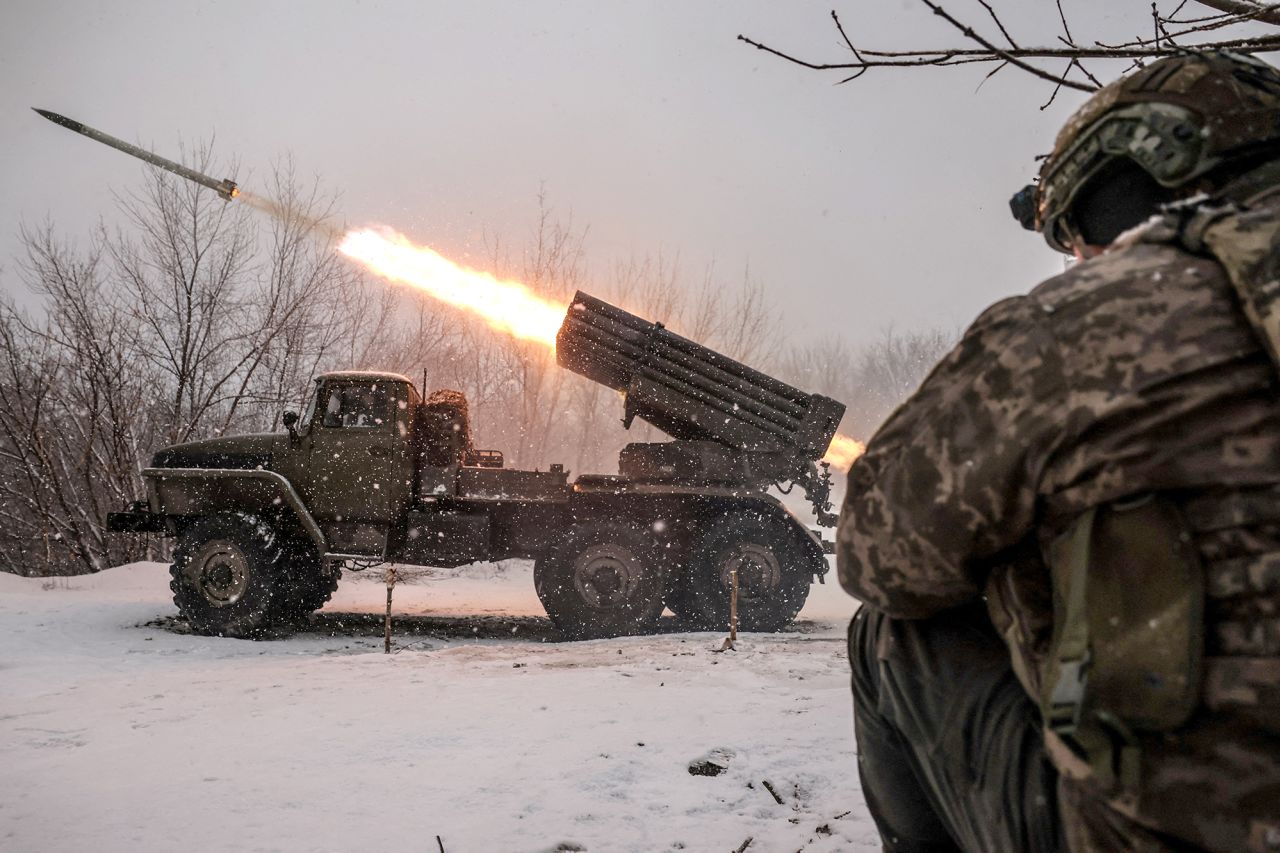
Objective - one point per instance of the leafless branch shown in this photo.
(971, 34)
(1066, 29)
(1094, 80)
(1169, 36)
(1000, 24)
(1198, 28)
(1245, 9)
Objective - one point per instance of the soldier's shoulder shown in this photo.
(1012, 316)
(1136, 264)
(1016, 330)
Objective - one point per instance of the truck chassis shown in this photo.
(373, 472)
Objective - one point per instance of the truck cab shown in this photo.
(350, 456)
(387, 474)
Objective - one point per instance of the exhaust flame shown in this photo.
(843, 451)
(507, 306)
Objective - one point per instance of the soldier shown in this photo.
(1067, 541)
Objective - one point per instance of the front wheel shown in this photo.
(773, 569)
(306, 585)
(227, 571)
(601, 580)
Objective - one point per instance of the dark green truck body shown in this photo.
(372, 472)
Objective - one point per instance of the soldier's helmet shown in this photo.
(1177, 120)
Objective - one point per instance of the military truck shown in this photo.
(374, 472)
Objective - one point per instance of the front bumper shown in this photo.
(136, 519)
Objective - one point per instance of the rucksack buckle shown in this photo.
(1067, 696)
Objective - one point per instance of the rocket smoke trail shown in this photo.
(285, 213)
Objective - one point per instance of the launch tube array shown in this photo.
(689, 391)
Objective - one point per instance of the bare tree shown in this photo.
(872, 379)
(189, 321)
(1243, 26)
(74, 416)
(307, 302)
(182, 268)
(553, 266)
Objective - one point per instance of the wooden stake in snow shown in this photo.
(391, 582)
(733, 605)
(733, 614)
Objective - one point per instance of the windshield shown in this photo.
(357, 405)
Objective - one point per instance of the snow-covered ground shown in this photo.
(120, 732)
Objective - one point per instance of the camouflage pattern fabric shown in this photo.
(1131, 373)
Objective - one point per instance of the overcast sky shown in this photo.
(859, 207)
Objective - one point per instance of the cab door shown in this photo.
(358, 462)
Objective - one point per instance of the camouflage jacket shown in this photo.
(1131, 373)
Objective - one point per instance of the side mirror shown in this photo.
(290, 421)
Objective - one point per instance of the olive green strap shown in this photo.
(1071, 649)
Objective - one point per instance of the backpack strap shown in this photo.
(1244, 238)
(1247, 244)
(1068, 675)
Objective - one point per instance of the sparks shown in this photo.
(507, 306)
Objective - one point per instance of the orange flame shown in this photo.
(507, 306)
(843, 451)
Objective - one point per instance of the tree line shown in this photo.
(194, 318)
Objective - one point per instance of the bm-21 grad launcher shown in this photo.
(731, 424)
(373, 472)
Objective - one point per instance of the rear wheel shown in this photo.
(773, 568)
(601, 580)
(227, 571)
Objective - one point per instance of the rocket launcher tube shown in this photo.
(636, 328)
(628, 357)
(689, 391)
(709, 376)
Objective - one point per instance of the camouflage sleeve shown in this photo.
(950, 480)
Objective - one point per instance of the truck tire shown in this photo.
(601, 579)
(227, 571)
(774, 572)
(306, 584)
